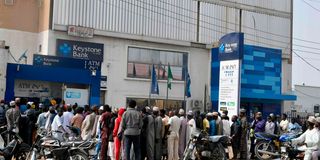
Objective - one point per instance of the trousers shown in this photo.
(173, 146)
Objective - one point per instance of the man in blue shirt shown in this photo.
(212, 124)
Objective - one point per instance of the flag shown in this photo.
(170, 77)
(154, 83)
(188, 84)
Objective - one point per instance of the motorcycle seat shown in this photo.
(263, 135)
(215, 138)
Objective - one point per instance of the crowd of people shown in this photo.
(140, 132)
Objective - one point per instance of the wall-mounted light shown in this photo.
(93, 72)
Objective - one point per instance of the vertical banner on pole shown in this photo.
(230, 55)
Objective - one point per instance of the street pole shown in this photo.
(184, 93)
(167, 87)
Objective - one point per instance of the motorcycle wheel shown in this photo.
(23, 152)
(266, 146)
(78, 156)
(219, 153)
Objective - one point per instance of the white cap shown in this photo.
(30, 103)
(156, 109)
(12, 103)
(101, 108)
(181, 111)
(312, 119)
(190, 113)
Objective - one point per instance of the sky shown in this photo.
(306, 26)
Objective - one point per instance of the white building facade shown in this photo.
(137, 34)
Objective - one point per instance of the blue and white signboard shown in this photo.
(73, 95)
(80, 50)
(43, 60)
(230, 55)
(231, 46)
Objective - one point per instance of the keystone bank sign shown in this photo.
(79, 50)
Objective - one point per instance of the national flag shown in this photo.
(188, 84)
(170, 77)
(154, 83)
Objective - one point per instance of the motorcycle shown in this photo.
(270, 146)
(206, 147)
(16, 148)
(50, 147)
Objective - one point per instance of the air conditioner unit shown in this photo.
(197, 104)
(8, 2)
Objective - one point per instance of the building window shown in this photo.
(140, 61)
(161, 103)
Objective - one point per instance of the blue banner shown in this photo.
(231, 46)
(44, 60)
(188, 84)
(154, 83)
(80, 50)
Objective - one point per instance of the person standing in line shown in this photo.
(150, 135)
(31, 121)
(270, 126)
(284, 124)
(117, 139)
(67, 117)
(157, 134)
(41, 122)
(77, 120)
(244, 138)
(111, 141)
(131, 125)
(182, 133)
(13, 116)
(205, 122)
(88, 124)
(212, 124)
(104, 122)
(98, 128)
(235, 136)
(258, 126)
(165, 120)
(225, 125)
(173, 138)
(191, 126)
(219, 125)
(143, 135)
(199, 121)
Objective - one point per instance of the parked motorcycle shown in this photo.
(49, 147)
(16, 148)
(270, 146)
(206, 147)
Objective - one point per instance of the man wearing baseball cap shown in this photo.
(310, 138)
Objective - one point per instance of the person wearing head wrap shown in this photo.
(183, 133)
(310, 138)
(150, 133)
(157, 134)
(117, 139)
(191, 126)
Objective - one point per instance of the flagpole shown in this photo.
(150, 89)
(167, 87)
(184, 94)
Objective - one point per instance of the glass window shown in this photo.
(161, 103)
(140, 61)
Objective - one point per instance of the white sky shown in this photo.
(306, 26)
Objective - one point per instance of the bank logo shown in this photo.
(221, 48)
(38, 59)
(65, 49)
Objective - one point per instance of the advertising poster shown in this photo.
(229, 86)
